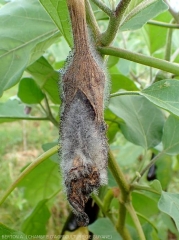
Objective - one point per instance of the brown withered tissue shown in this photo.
(84, 149)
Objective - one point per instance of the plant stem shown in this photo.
(135, 220)
(115, 18)
(163, 24)
(49, 113)
(168, 44)
(153, 161)
(124, 93)
(32, 166)
(25, 118)
(92, 21)
(140, 58)
(124, 196)
(103, 7)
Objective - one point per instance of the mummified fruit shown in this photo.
(84, 146)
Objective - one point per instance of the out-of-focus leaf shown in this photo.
(164, 94)
(29, 92)
(47, 146)
(42, 182)
(23, 25)
(104, 227)
(143, 121)
(169, 204)
(46, 78)
(139, 12)
(58, 11)
(35, 223)
(170, 137)
(12, 110)
(6, 232)
(155, 35)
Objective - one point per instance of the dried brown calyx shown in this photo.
(84, 146)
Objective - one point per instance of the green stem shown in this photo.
(152, 162)
(92, 21)
(163, 24)
(124, 93)
(140, 58)
(32, 166)
(49, 113)
(101, 206)
(135, 220)
(115, 18)
(124, 195)
(103, 7)
(136, 186)
(107, 200)
(147, 220)
(25, 118)
(168, 44)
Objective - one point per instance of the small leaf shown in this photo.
(139, 12)
(143, 121)
(58, 11)
(104, 227)
(164, 94)
(169, 203)
(29, 92)
(6, 233)
(46, 78)
(156, 185)
(170, 137)
(35, 223)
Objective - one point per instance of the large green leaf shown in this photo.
(104, 227)
(7, 233)
(170, 137)
(58, 11)
(35, 223)
(42, 182)
(164, 94)
(139, 12)
(143, 121)
(25, 31)
(46, 78)
(29, 92)
(169, 203)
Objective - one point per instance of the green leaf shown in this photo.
(155, 35)
(12, 110)
(104, 227)
(170, 137)
(6, 233)
(164, 94)
(46, 78)
(120, 81)
(143, 121)
(24, 37)
(35, 223)
(58, 11)
(169, 203)
(139, 12)
(29, 92)
(156, 185)
(42, 182)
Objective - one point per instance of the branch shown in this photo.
(108, 36)
(103, 7)
(49, 113)
(124, 93)
(140, 58)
